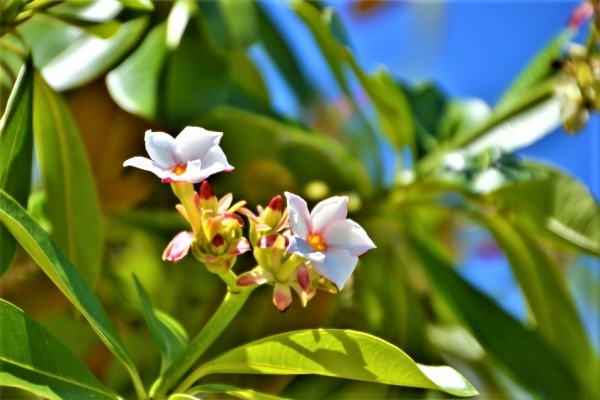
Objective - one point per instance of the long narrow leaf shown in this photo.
(16, 150)
(523, 354)
(73, 207)
(339, 353)
(168, 336)
(548, 297)
(65, 276)
(34, 360)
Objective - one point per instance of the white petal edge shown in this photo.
(300, 223)
(148, 165)
(300, 247)
(328, 212)
(161, 148)
(337, 266)
(194, 143)
(350, 236)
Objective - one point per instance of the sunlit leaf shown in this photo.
(233, 391)
(16, 152)
(168, 335)
(524, 355)
(65, 276)
(34, 360)
(339, 353)
(145, 5)
(72, 202)
(68, 56)
(557, 206)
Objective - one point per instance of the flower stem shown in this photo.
(231, 305)
(185, 193)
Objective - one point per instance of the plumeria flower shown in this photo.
(326, 238)
(191, 157)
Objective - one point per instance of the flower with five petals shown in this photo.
(191, 157)
(326, 238)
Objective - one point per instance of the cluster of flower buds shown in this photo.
(294, 249)
(583, 91)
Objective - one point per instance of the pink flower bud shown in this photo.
(282, 297)
(581, 14)
(179, 247)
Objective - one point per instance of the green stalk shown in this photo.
(231, 305)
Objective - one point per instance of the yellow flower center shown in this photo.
(179, 169)
(317, 242)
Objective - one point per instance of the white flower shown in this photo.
(331, 242)
(191, 157)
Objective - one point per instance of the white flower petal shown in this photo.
(193, 173)
(161, 148)
(300, 222)
(328, 212)
(194, 143)
(337, 266)
(148, 165)
(350, 236)
(215, 160)
(300, 247)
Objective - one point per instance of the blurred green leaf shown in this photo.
(226, 389)
(524, 355)
(557, 206)
(164, 79)
(34, 360)
(391, 103)
(92, 11)
(428, 105)
(241, 21)
(70, 56)
(168, 335)
(145, 5)
(540, 68)
(332, 50)
(134, 83)
(548, 297)
(284, 158)
(286, 61)
(72, 202)
(65, 276)
(340, 353)
(16, 153)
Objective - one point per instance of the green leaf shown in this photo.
(338, 353)
(539, 68)
(65, 276)
(525, 355)
(34, 360)
(144, 5)
(245, 394)
(286, 61)
(557, 206)
(16, 153)
(133, 84)
(70, 56)
(284, 158)
(391, 103)
(241, 21)
(168, 335)
(73, 207)
(330, 48)
(548, 297)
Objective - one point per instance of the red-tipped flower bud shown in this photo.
(275, 204)
(208, 200)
